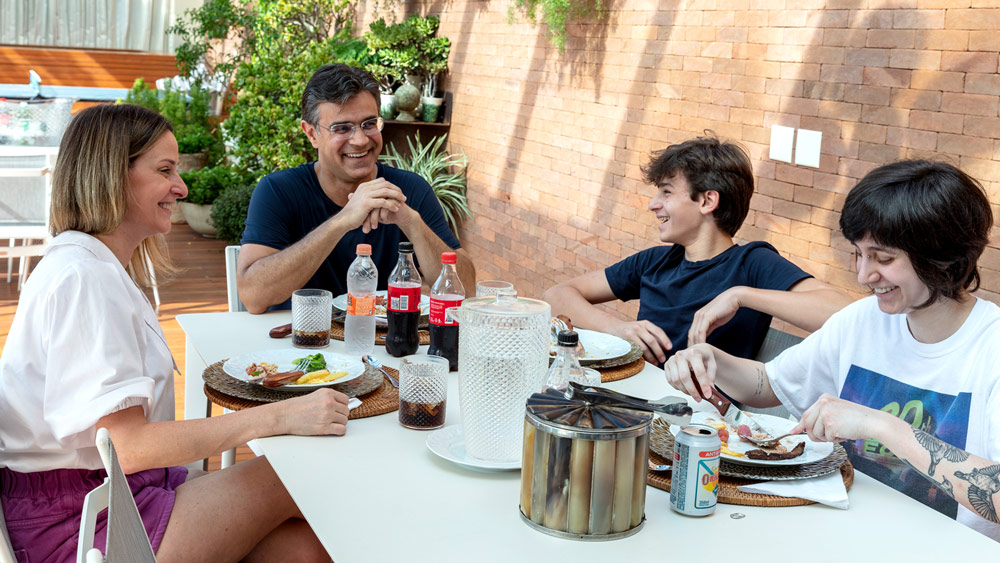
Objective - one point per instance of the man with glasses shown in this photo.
(305, 223)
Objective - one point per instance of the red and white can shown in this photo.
(694, 486)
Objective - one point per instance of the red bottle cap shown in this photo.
(448, 257)
(364, 250)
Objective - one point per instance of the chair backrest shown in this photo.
(235, 305)
(127, 539)
(6, 550)
(26, 190)
(775, 342)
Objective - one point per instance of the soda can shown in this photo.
(694, 487)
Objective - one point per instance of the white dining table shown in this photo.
(379, 494)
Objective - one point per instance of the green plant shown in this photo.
(446, 173)
(189, 113)
(409, 47)
(206, 185)
(229, 212)
(556, 14)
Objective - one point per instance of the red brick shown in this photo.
(811, 233)
(827, 255)
(823, 90)
(893, 77)
(914, 59)
(984, 40)
(762, 68)
(884, 115)
(749, 84)
(871, 19)
(867, 57)
(773, 223)
(911, 138)
(761, 203)
(937, 80)
(845, 37)
(791, 210)
(891, 38)
(974, 104)
(839, 110)
(800, 106)
(969, 62)
(985, 19)
(801, 36)
(982, 83)
(783, 87)
(800, 71)
(915, 99)
(823, 16)
(863, 132)
(832, 183)
(965, 145)
(825, 218)
(872, 95)
(793, 175)
(775, 188)
(918, 19)
(936, 121)
(943, 39)
(793, 245)
(988, 127)
(841, 74)
(982, 170)
(880, 154)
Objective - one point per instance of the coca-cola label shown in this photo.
(404, 299)
(360, 306)
(439, 308)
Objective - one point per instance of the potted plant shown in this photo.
(443, 171)
(204, 187)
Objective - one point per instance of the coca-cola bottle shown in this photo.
(403, 311)
(446, 292)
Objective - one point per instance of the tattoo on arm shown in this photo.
(938, 450)
(761, 375)
(983, 484)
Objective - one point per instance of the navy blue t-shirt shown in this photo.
(288, 204)
(671, 290)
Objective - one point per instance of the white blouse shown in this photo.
(84, 343)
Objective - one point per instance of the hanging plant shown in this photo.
(556, 14)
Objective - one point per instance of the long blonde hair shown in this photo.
(90, 181)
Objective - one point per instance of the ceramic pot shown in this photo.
(200, 218)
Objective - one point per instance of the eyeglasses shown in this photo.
(344, 131)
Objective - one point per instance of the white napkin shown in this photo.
(352, 404)
(828, 489)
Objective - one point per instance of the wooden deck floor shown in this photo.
(200, 288)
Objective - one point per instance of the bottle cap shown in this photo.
(448, 257)
(364, 250)
(406, 247)
(568, 338)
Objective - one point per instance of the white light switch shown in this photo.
(781, 143)
(807, 145)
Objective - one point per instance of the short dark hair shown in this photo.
(709, 164)
(336, 84)
(935, 213)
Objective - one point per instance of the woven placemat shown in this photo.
(378, 396)
(730, 494)
(633, 354)
(337, 333)
(622, 372)
(661, 442)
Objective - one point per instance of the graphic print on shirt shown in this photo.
(939, 414)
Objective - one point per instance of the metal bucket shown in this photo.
(583, 469)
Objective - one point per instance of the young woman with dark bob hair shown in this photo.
(909, 378)
(85, 351)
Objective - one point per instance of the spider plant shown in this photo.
(444, 172)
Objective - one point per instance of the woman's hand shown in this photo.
(692, 371)
(834, 420)
(321, 412)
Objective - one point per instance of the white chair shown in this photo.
(6, 550)
(126, 539)
(25, 194)
(235, 305)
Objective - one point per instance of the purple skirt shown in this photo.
(43, 509)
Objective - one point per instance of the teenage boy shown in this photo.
(701, 286)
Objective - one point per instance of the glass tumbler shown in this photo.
(489, 288)
(311, 314)
(423, 390)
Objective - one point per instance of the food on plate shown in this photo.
(316, 362)
(256, 371)
(729, 452)
(280, 331)
(763, 455)
(723, 431)
(279, 379)
(320, 376)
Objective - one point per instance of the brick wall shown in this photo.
(556, 140)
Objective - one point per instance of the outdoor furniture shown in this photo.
(380, 481)
(6, 550)
(126, 539)
(25, 192)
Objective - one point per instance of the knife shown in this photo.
(735, 416)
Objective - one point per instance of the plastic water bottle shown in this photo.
(566, 367)
(359, 326)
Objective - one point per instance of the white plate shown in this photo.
(285, 360)
(340, 303)
(447, 442)
(815, 451)
(600, 346)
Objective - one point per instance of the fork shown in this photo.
(377, 364)
(303, 365)
(768, 442)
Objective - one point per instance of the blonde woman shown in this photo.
(85, 351)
